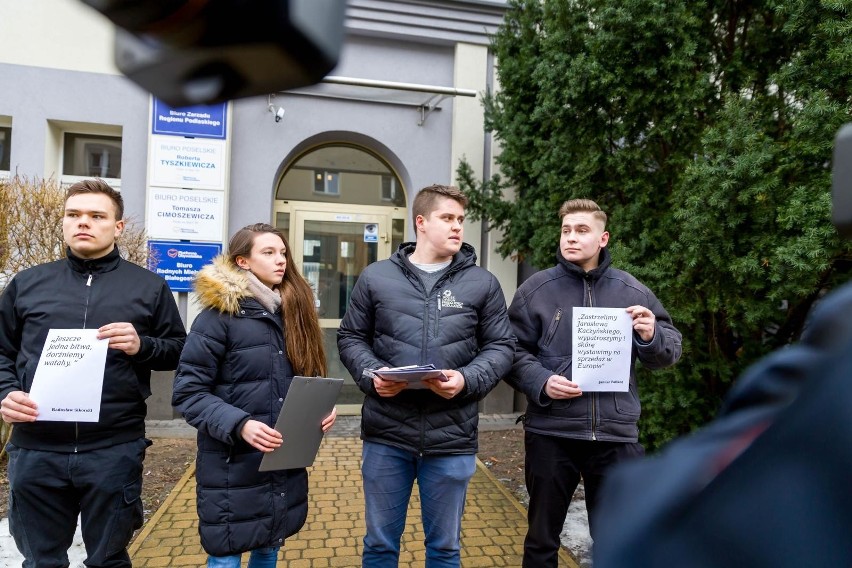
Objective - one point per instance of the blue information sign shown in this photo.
(203, 121)
(178, 262)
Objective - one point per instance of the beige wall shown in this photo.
(469, 143)
(60, 34)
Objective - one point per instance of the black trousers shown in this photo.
(48, 490)
(553, 467)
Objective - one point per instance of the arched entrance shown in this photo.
(343, 207)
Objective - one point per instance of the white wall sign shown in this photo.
(187, 162)
(185, 214)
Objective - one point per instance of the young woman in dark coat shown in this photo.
(257, 330)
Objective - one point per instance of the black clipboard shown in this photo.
(309, 400)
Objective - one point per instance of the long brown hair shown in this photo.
(302, 333)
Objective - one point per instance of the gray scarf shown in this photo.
(268, 298)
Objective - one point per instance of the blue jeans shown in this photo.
(389, 475)
(259, 558)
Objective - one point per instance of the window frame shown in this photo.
(6, 125)
(325, 182)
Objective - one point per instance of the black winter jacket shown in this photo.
(74, 293)
(462, 324)
(235, 367)
(541, 319)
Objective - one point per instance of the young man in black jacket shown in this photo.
(59, 470)
(570, 434)
(428, 304)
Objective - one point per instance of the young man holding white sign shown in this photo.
(571, 433)
(61, 468)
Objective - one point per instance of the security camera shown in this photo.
(279, 114)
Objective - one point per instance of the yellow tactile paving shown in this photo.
(493, 527)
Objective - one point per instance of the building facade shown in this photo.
(335, 165)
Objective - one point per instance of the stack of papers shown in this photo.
(411, 374)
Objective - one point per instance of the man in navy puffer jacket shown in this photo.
(428, 304)
(569, 433)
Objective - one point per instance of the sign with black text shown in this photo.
(187, 162)
(185, 214)
(602, 341)
(69, 378)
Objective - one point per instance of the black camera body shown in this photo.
(189, 52)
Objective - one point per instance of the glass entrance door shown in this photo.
(332, 249)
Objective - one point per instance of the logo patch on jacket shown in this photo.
(447, 300)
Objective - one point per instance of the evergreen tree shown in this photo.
(705, 130)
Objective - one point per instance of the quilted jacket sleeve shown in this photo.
(496, 346)
(195, 380)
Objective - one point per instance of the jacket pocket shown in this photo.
(627, 403)
(551, 330)
(570, 408)
(128, 516)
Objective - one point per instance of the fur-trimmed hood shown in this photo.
(221, 286)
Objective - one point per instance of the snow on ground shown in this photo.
(575, 532)
(11, 558)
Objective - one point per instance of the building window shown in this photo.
(327, 182)
(388, 188)
(91, 155)
(5, 148)
(337, 173)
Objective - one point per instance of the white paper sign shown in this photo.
(601, 347)
(185, 214)
(69, 378)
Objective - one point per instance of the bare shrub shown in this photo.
(31, 227)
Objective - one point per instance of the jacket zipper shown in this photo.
(88, 297)
(425, 335)
(85, 320)
(594, 395)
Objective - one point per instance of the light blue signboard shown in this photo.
(178, 262)
(201, 121)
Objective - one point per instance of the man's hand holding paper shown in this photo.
(447, 386)
(389, 381)
(558, 387)
(18, 407)
(122, 336)
(388, 388)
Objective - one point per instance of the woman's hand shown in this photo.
(261, 436)
(328, 421)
